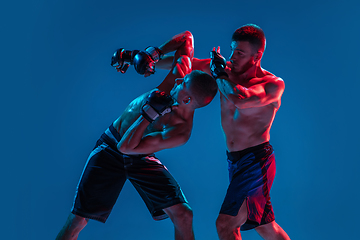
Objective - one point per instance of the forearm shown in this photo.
(227, 88)
(132, 137)
(165, 63)
(240, 96)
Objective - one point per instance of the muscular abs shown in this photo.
(245, 128)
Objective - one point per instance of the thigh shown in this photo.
(100, 183)
(236, 221)
(155, 184)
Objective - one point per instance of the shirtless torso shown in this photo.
(248, 123)
(250, 98)
(176, 123)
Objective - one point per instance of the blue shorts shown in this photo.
(251, 173)
(105, 173)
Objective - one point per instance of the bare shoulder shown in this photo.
(201, 64)
(271, 80)
(268, 76)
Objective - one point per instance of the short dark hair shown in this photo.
(253, 34)
(203, 88)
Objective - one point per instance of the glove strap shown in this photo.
(155, 53)
(149, 113)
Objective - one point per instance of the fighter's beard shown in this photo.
(243, 70)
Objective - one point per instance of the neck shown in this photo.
(254, 72)
(185, 112)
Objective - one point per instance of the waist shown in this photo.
(237, 155)
(240, 136)
(112, 137)
(242, 142)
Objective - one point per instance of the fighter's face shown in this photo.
(242, 56)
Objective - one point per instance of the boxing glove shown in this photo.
(122, 59)
(144, 61)
(217, 65)
(157, 104)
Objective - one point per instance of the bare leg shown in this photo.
(74, 224)
(272, 231)
(228, 227)
(182, 217)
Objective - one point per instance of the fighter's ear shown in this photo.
(186, 100)
(258, 56)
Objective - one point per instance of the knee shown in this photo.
(226, 223)
(271, 228)
(186, 213)
(220, 224)
(224, 227)
(223, 224)
(182, 213)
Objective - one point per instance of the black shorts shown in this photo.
(251, 173)
(107, 170)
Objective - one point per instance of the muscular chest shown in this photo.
(230, 113)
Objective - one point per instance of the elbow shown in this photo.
(187, 35)
(126, 151)
(189, 43)
(123, 148)
(183, 138)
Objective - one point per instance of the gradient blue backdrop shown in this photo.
(59, 93)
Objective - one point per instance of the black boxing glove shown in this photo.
(217, 65)
(122, 59)
(157, 104)
(144, 61)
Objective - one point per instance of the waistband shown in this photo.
(112, 137)
(235, 156)
(113, 133)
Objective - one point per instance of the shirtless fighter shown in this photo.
(250, 97)
(159, 119)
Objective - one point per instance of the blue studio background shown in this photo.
(59, 93)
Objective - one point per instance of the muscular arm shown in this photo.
(183, 42)
(168, 61)
(258, 95)
(181, 62)
(197, 64)
(202, 65)
(133, 141)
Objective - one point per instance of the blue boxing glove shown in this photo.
(144, 61)
(157, 104)
(217, 65)
(122, 59)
